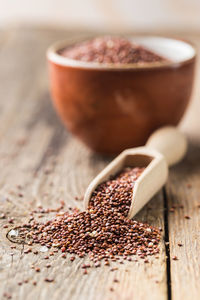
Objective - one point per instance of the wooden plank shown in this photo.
(66, 185)
(183, 188)
(37, 153)
(23, 67)
(36, 121)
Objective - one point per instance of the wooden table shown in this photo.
(37, 153)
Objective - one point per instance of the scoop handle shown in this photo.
(170, 142)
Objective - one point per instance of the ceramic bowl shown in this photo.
(111, 107)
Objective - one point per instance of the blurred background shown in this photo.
(30, 27)
(117, 15)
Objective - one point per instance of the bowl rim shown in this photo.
(53, 56)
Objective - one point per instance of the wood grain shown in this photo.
(183, 188)
(37, 153)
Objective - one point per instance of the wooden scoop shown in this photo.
(165, 147)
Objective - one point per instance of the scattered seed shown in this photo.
(49, 280)
(26, 251)
(113, 269)
(83, 266)
(175, 258)
(11, 220)
(72, 258)
(7, 295)
(2, 216)
(37, 269)
(97, 264)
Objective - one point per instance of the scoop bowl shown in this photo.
(165, 147)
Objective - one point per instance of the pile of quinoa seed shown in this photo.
(107, 49)
(103, 231)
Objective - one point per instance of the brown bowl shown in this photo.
(111, 107)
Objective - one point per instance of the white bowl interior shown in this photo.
(174, 50)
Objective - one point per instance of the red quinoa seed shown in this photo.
(113, 50)
(103, 231)
(37, 269)
(85, 272)
(175, 258)
(49, 280)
